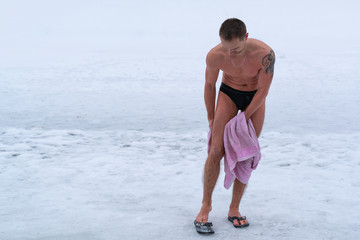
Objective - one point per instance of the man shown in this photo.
(248, 66)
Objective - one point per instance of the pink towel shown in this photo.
(242, 150)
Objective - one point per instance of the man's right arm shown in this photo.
(211, 75)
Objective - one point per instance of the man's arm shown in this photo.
(265, 79)
(211, 75)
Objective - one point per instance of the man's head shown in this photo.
(233, 35)
(232, 28)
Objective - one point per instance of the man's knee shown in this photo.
(216, 153)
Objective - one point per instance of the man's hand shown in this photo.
(211, 123)
(247, 117)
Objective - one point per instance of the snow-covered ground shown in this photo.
(103, 126)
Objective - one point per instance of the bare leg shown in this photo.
(258, 119)
(211, 174)
(225, 111)
(238, 188)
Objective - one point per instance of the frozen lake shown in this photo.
(103, 124)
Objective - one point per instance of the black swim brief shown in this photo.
(241, 98)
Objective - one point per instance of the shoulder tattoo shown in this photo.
(268, 62)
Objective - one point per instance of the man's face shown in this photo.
(235, 46)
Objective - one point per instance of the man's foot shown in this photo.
(203, 228)
(203, 215)
(237, 223)
(201, 222)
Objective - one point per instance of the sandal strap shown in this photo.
(238, 218)
(208, 224)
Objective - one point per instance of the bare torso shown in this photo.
(241, 72)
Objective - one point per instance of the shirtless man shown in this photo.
(248, 66)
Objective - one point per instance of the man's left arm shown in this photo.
(264, 82)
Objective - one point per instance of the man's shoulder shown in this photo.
(215, 56)
(259, 47)
(264, 54)
(258, 43)
(261, 50)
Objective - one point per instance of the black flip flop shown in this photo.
(203, 228)
(231, 219)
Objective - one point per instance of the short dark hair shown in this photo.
(232, 28)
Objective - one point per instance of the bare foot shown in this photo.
(203, 215)
(236, 213)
